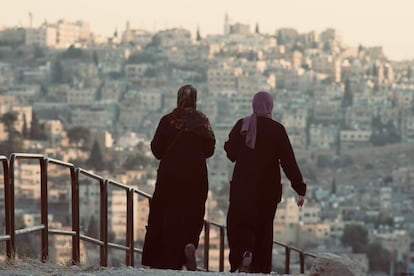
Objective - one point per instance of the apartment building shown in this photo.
(81, 96)
(359, 117)
(95, 117)
(323, 136)
(134, 72)
(223, 78)
(150, 100)
(354, 138)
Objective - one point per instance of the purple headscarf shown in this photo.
(262, 107)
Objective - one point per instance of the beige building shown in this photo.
(67, 33)
(6, 102)
(27, 180)
(45, 36)
(223, 78)
(329, 65)
(60, 246)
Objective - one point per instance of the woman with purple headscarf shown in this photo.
(182, 142)
(259, 146)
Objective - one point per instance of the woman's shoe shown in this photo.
(189, 251)
(246, 262)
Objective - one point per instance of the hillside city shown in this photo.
(95, 101)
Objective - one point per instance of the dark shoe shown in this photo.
(190, 257)
(246, 262)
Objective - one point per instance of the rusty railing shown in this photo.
(9, 165)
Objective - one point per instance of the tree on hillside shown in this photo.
(347, 99)
(36, 130)
(355, 236)
(25, 131)
(72, 53)
(96, 159)
(57, 73)
(92, 230)
(78, 136)
(14, 142)
(198, 35)
(379, 258)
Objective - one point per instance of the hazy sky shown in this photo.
(389, 23)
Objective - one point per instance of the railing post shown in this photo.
(7, 195)
(104, 222)
(302, 262)
(221, 260)
(44, 209)
(129, 260)
(11, 249)
(206, 243)
(74, 175)
(287, 260)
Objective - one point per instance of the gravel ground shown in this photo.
(37, 268)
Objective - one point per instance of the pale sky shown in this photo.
(387, 23)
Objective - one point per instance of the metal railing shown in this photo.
(128, 247)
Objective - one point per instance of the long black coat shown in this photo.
(178, 205)
(256, 189)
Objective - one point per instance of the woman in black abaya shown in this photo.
(182, 142)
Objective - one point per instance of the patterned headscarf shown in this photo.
(187, 97)
(262, 107)
(186, 117)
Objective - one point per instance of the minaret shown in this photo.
(226, 24)
(30, 20)
(127, 33)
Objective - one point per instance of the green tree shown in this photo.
(96, 157)
(57, 72)
(36, 130)
(385, 217)
(78, 135)
(355, 236)
(9, 119)
(25, 131)
(14, 142)
(38, 52)
(257, 31)
(333, 189)
(198, 36)
(95, 58)
(73, 53)
(379, 257)
(92, 230)
(347, 99)
(24, 247)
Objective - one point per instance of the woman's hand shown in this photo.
(301, 200)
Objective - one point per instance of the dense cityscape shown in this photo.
(95, 101)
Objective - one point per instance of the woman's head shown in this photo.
(262, 104)
(187, 97)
